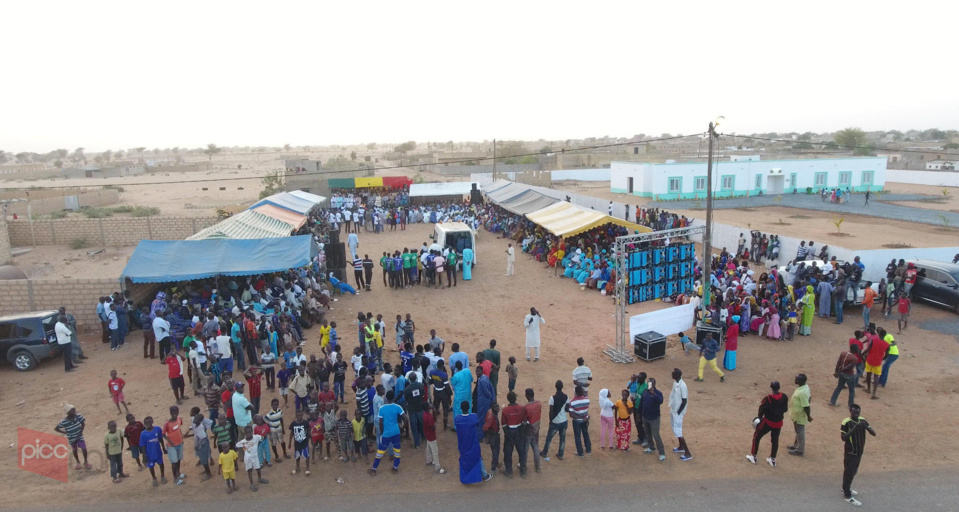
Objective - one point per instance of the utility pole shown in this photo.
(708, 234)
(494, 159)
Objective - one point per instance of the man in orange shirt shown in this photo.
(868, 299)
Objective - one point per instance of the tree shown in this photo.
(156, 151)
(850, 138)
(807, 136)
(58, 164)
(22, 157)
(367, 158)
(405, 147)
(211, 150)
(272, 183)
(831, 145)
(3, 157)
(371, 146)
(78, 155)
(106, 155)
(119, 154)
(140, 150)
(802, 146)
(545, 149)
(286, 147)
(932, 134)
(62, 153)
(98, 159)
(176, 150)
(353, 155)
(950, 145)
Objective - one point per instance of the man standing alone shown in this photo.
(800, 415)
(510, 259)
(532, 323)
(678, 399)
(853, 432)
(64, 342)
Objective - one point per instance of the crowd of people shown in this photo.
(235, 339)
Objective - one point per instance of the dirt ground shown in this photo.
(62, 262)
(937, 201)
(910, 418)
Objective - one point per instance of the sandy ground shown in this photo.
(62, 262)
(859, 231)
(911, 416)
(937, 201)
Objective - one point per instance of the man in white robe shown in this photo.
(532, 323)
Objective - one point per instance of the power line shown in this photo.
(821, 143)
(312, 173)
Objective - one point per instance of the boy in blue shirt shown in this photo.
(151, 443)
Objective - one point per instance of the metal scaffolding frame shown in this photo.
(621, 352)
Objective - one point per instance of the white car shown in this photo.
(860, 292)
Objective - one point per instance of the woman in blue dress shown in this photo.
(467, 264)
(467, 440)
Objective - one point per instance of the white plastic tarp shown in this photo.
(671, 320)
(454, 188)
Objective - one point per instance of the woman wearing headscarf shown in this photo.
(773, 330)
(808, 303)
(732, 343)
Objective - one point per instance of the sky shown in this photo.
(112, 75)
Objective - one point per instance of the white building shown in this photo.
(747, 178)
(942, 165)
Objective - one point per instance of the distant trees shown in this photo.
(3, 157)
(802, 146)
(156, 151)
(212, 149)
(371, 146)
(950, 145)
(106, 155)
(140, 150)
(58, 164)
(353, 155)
(119, 154)
(22, 157)
(545, 149)
(367, 158)
(286, 147)
(405, 147)
(78, 155)
(932, 134)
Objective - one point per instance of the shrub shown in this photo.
(122, 209)
(59, 214)
(78, 243)
(145, 211)
(96, 213)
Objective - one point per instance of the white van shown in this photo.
(457, 235)
(851, 298)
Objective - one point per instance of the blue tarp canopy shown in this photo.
(164, 261)
(287, 201)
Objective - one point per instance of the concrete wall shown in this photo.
(581, 175)
(466, 170)
(655, 178)
(79, 296)
(47, 205)
(105, 232)
(935, 178)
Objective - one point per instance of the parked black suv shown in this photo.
(28, 338)
(937, 282)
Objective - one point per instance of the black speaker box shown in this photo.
(335, 255)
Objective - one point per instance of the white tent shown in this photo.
(455, 188)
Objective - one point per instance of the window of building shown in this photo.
(700, 183)
(845, 178)
(867, 177)
(759, 181)
(728, 182)
(675, 185)
(820, 179)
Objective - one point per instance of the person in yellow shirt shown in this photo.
(891, 355)
(359, 435)
(324, 337)
(228, 467)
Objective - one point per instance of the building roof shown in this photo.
(244, 225)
